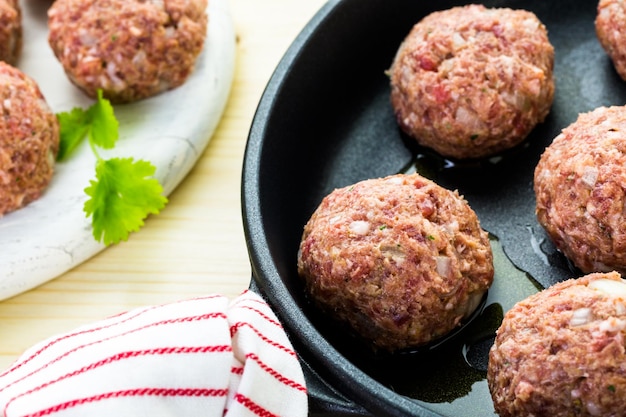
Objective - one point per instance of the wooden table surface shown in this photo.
(196, 244)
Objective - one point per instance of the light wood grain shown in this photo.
(196, 245)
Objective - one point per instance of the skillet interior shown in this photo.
(325, 121)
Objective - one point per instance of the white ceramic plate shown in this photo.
(51, 235)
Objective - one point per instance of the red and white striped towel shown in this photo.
(199, 357)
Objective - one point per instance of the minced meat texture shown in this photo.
(29, 140)
(400, 259)
(10, 31)
(130, 49)
(470, 81)
(580, 187)
(610, 27)
(561, 352)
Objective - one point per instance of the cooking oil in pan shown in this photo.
(451, 379)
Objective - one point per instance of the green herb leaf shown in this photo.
(98, 123)
(124, 192)
(121, 197)
(74, 127)
(104, 130)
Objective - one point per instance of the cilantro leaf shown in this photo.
(121, 197)
(73, 129)
(124, 192)
(104, 126)
(98, 123)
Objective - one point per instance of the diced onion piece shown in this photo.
(593, 409)
(86, 38)
(580, 317)
(465, 117)
(334, 219)
(451, 228)
(458, 41)
(610, 287)
(444, 266)
(590, 176)
(360, 227)
(612, 324)
(397, 180)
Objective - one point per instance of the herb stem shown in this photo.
(94, 149)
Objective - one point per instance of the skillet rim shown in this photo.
(346, 377)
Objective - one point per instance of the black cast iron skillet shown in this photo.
(325, 121)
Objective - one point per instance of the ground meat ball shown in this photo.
(400, 259)
(611, 31)
(131, 49)
(29, 140)
(470, 82)
(580, 184)
(10, 30)
(561, 352)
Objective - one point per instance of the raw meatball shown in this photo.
(580, 184)
(10, 30)
(611, 31)
(561, 353)
(131, 49)
(470, 81)
(400, 259)
(29, 140)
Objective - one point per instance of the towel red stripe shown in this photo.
(262, 314)
(126, 355)
(159, 323)
(279, 377)
(235, 328)
(138, 392)
(236, 370)
(95, 329)
(252, 406)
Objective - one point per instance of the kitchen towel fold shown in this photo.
(200, 357)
